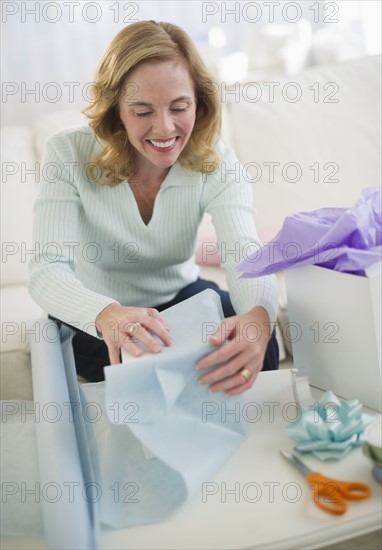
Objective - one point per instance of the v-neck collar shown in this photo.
(177, 176)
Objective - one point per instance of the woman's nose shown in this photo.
(164, 124)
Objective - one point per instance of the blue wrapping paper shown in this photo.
(151, 414)
(330, 428)
(134, 448)
(343, 239)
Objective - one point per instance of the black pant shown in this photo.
(91, 354)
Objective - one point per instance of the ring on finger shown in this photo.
(246, 374)
(132, 328)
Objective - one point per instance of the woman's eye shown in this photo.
(173, 109)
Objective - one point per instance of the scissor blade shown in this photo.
(295, 461)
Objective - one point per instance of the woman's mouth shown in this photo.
(163, 145)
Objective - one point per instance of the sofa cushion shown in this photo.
(16, 376)
(18, 189)
(324, 146)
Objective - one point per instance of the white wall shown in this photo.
(50, 48)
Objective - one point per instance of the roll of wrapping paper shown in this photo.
(69, 519)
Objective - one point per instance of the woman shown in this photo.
(117, 216)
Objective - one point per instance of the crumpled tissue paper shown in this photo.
(330, 428)
(344, 239)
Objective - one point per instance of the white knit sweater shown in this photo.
(93, 248)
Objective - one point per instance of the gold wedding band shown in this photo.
(132, 328)
(246, 374)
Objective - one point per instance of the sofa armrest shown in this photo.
(18, 311)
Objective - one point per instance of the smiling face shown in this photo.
(157, 109)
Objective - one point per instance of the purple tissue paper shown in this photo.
(343, 239)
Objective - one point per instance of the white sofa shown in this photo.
(306, 142)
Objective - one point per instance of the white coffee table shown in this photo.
(260, 500)
(257, 500)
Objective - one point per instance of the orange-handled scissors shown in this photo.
(329, 494)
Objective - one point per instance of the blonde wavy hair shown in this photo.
(135, 44)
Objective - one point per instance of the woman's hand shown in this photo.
(123, 326)
(242, 357)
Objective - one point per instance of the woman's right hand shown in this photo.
(123, 326)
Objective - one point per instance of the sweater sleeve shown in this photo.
(228, 198)
(53, 283)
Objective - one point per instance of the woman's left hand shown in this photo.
(241, 358)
